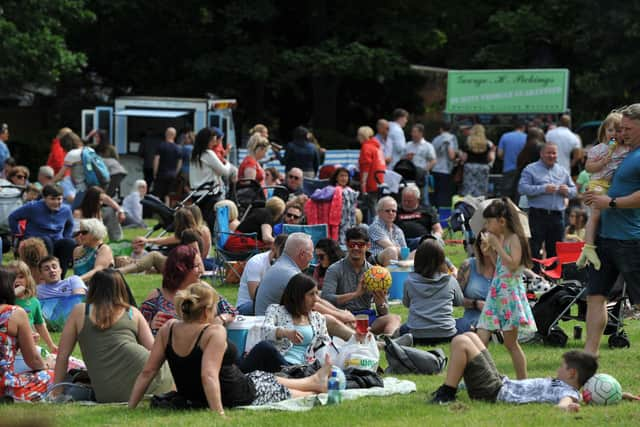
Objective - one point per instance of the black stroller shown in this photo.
(165, 213)
(555, 305)
(248, 194)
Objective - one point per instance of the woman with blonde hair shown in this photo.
(233, 213)
(250, 168)
(372, 166)
(478, 156)
(259, 221)
(114, 340)
(207, 375)
(26, 297)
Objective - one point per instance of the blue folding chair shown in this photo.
(316, 232)
(226, 259)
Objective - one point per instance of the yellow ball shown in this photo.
(377, 278)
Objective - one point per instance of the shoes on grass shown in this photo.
(443, 395)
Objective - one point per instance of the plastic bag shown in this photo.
(354, 354)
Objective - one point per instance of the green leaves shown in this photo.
(32, 42)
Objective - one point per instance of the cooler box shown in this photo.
(398, 276)
(238, 330)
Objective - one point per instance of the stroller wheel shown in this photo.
(619, 340)
(556, 338)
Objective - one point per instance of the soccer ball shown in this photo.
(602, 389)
(377, 278)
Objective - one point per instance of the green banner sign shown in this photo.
(507, 91)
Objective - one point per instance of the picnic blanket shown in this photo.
(391, 386)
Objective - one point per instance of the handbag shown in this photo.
(409, 360)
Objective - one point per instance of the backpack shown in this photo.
(409, 360)
(96, 171)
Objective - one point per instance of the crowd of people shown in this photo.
(66, 224)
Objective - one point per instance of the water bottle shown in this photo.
(334, 392)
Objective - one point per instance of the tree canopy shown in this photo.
(325, 63)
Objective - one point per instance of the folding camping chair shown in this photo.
(316, 232)
(225, 259)
(566, 253)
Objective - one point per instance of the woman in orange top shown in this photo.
(372, 167)
(250, 167)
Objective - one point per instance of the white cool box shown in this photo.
(238, 332)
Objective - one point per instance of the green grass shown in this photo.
(388, 411)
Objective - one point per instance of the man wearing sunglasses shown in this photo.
(386, 237)
(294, 181)
(343, 285)
(293, 215)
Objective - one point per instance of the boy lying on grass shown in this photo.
(470, 359)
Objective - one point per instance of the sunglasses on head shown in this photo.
(292, 215)
(294, 177)
(353, 245)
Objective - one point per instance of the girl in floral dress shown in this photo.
(506, 308)
(15, 334)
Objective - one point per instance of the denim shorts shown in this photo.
(617, 257)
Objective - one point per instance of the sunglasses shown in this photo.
(296, 178)
(353, 245)
(391, 210)
(20, 176)
(294, 216)
(321, 256)
(83, 232)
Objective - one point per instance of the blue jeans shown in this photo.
(246, 309)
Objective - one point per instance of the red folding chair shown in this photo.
(566, 253)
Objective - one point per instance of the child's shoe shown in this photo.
(443, 395)
(589, 255)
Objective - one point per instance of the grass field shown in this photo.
(404, 410)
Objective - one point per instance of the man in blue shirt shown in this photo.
(509, 147)
(546, 184)
(618, 242)
(4, 150)
(49, 220)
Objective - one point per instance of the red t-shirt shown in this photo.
(371, 161)
(250, 162)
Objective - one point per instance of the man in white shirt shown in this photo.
(569, 145)
(253, 272)
(446, 146)
(132, 207)
(396, 139)
(423, 156)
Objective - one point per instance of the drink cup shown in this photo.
(404, 253)
(362, 324)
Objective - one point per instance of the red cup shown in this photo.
(362, 324)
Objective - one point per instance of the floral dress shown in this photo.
(506, 306)
(29, 386)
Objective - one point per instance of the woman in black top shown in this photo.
(259, 221)
(202, 361)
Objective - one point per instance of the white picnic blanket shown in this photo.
(391, 386)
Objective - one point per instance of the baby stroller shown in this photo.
(463, 210)
(556, 304)
(165, 213)
(246, 193)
